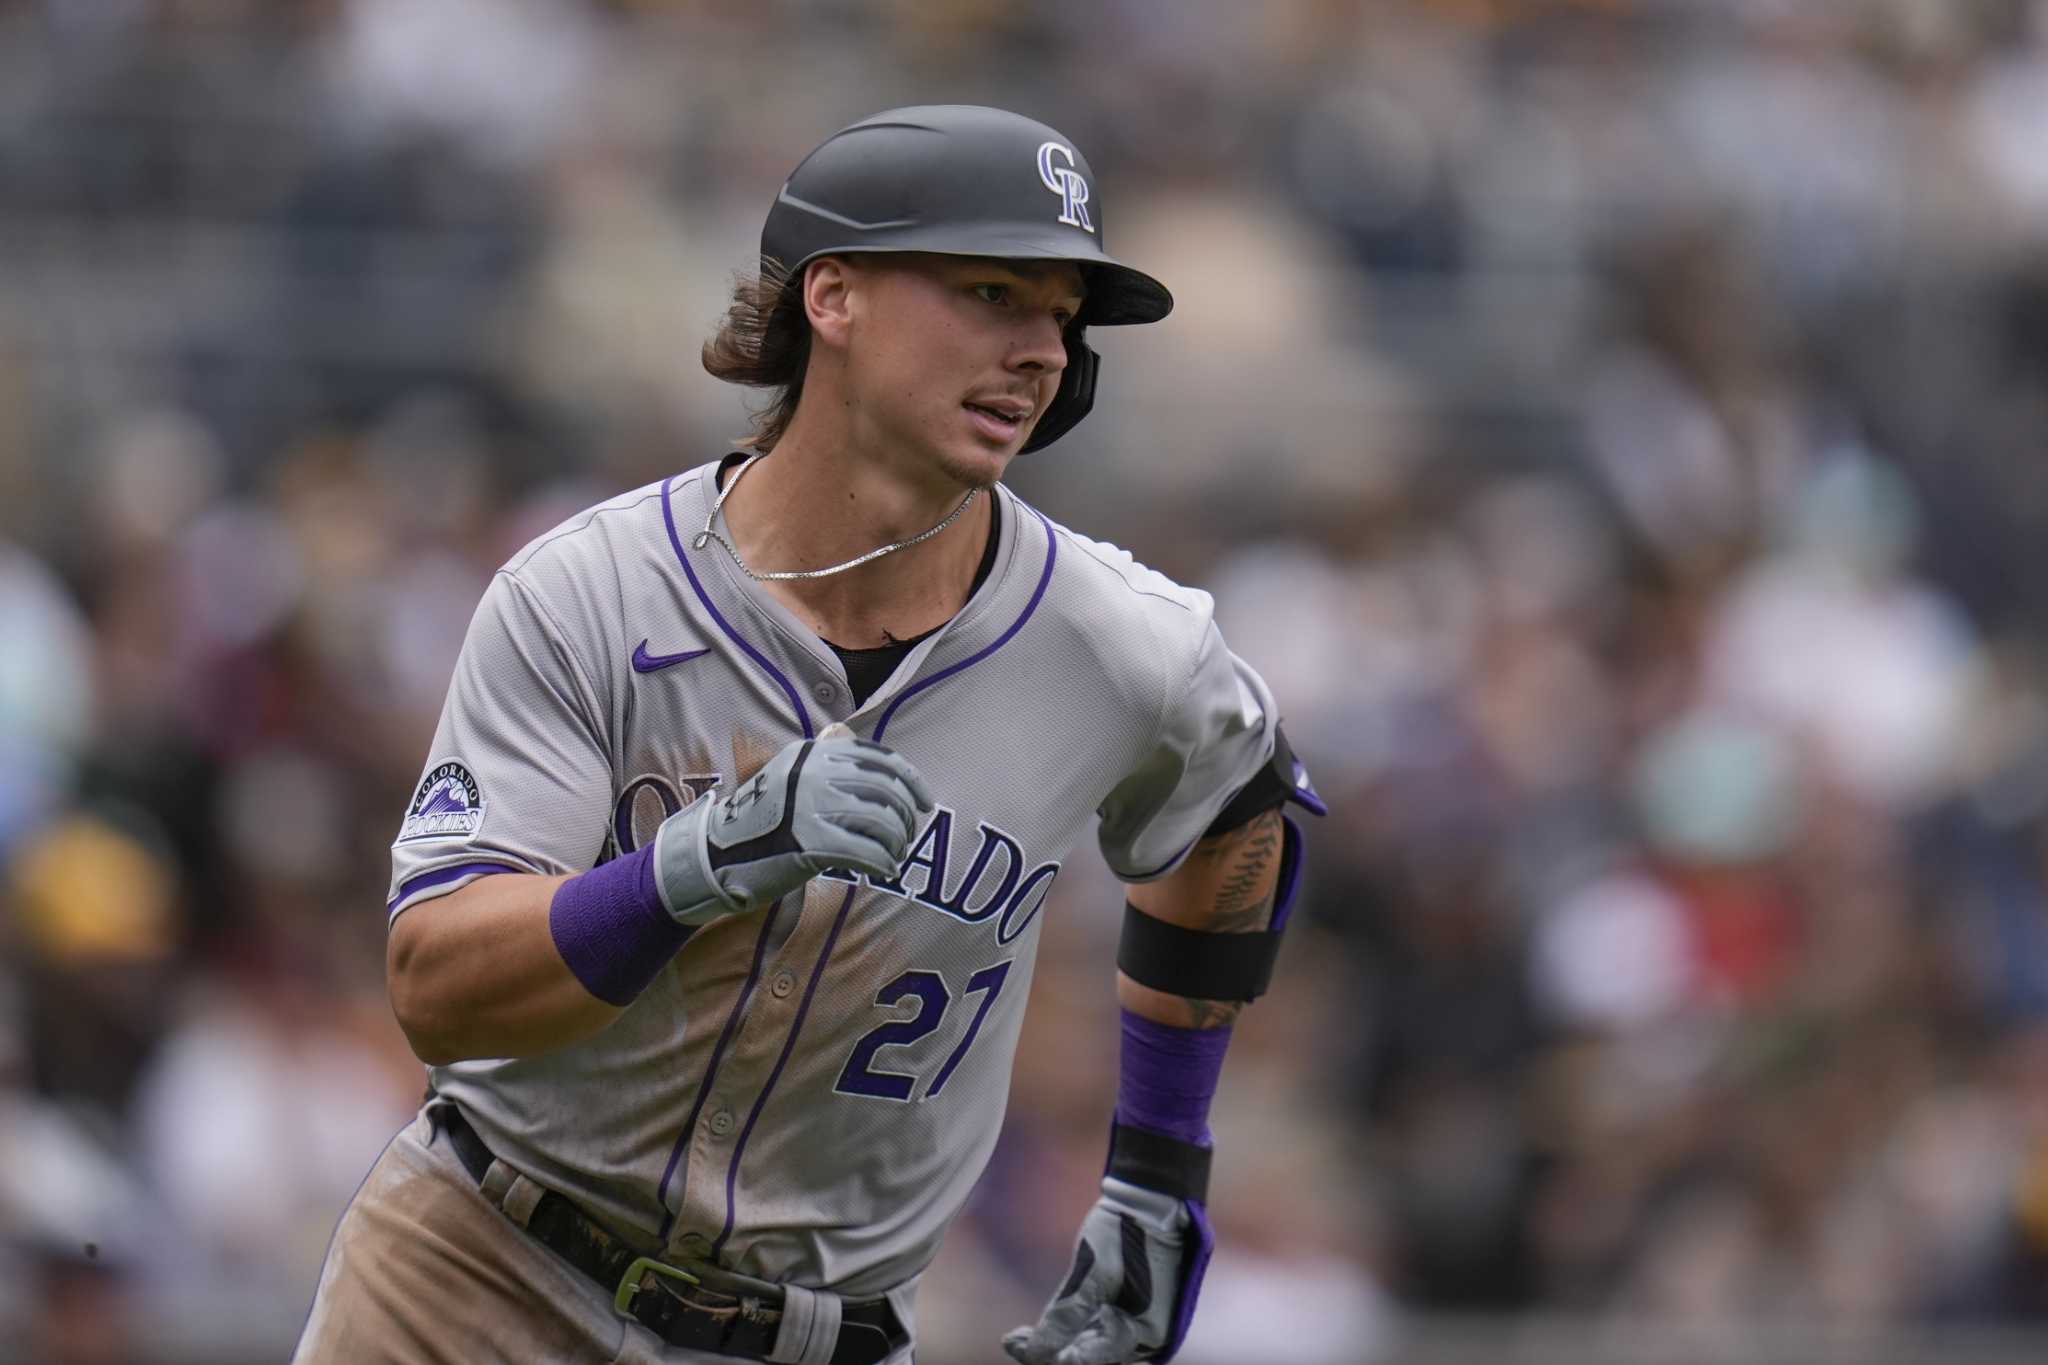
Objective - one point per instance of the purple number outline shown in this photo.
(990, 981)
(855, 1078)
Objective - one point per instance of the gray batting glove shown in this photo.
(1118, 1302)
(829, 802)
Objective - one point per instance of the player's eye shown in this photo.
(992, 293)
(1064, 317)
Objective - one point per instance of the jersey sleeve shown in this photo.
(1213, 738)
(518, 779)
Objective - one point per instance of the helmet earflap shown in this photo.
(1076, 394)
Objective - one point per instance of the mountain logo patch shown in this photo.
(448, 805)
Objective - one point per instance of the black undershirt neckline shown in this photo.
(868, 669)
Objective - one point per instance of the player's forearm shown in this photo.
(477, 974)
(1226, 886)
(1179, 1011)
(513, 965)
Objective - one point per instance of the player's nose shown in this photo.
(1040, 346)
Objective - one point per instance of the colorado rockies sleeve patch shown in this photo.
(447, 805)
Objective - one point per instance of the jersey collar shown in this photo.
(780, 644)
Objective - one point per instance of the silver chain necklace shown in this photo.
(707, 534)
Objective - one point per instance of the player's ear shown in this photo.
(829, 286)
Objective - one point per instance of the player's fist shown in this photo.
(1137, 1268)
(834, 801)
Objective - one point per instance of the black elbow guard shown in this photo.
(1204, 966)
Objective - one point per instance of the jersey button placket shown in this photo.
(782, 985)
(721, 1123)
(825, 692)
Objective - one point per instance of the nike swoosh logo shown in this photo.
(643, 662)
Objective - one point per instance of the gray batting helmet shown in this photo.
(963, 180)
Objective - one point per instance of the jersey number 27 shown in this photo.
(928, 988)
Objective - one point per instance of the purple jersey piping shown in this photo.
(1289, 870)
(796, 1025)
(1148, 876)
(668, 1215)
(1289, 873)
(1037, 595)
(426, 881)
(668, 517)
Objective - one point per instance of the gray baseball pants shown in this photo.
(423, 1268)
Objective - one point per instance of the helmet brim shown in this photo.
(1118, 295)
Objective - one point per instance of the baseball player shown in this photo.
(714, 912)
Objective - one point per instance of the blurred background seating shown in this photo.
(1615, 428)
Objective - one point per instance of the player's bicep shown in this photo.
(518, 779)
(1226, 885)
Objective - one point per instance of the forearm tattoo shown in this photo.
(1209, 1013)
(1244, 900)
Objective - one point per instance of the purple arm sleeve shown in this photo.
(1168, 1077)
(610, 929)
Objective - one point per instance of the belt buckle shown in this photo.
(629, 1283)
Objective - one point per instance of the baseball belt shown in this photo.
(699, 1307)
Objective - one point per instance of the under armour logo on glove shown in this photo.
(1121, 1301)
(835, 801)
(745, 796)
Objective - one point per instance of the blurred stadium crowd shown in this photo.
(1615, 429)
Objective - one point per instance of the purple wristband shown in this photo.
(1169, 1077)
(609, 926)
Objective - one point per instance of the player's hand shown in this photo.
(834, 801)
(1141, 1254)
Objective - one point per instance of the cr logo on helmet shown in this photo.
(1067, 183)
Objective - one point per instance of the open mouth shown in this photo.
(1001, 421)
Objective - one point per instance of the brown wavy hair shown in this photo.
(764, 342)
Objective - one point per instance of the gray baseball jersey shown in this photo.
(809, 1092)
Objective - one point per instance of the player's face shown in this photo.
(956, 357)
